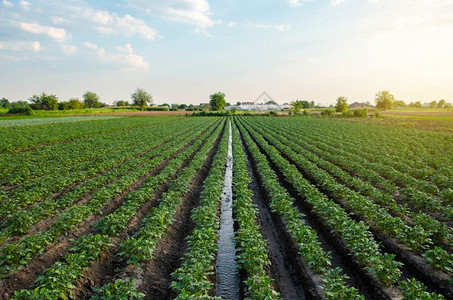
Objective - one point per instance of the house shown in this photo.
(360, 105)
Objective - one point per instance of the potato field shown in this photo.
(165, 207)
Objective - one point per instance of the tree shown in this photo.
(433, 104)
(73, 103)
(384, 100)
(271, 102)
(91, 100)
(20, 103)
(342, 104)
(141, 98)
(44, 102)
(217, 101)
(122, 103)
(182, 106)
(441, 103)
(299, 104)
(399, 103)
(4, 103)
(416, 104)
(238, 103)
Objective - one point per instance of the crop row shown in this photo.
(355, 235)
(439, 231)
(252, 254)
(18, 253)
(334, 285)
(192, 277)
(392, 161)
(21, 221)
(141, 246)
(27, 137)
(399, 151)
(415, 238)
(58, 281)
(60, 179)
(21, 167)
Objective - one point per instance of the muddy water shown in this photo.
(227, 286)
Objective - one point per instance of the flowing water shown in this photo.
(227, 286)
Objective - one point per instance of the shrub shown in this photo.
(361, 113)
(157, 108)
(20, 110)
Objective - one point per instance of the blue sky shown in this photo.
(181, 51)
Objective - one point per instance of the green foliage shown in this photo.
(191, 278)
(157, 108)
(120, 289)
(4, 103)
(414, 290)
(44, 102)
(384, 100)
(20, 110)
(342, 104)
(327, 112)
(73, 103)
(121, 103)
(299, 105)
(440, 259)
(91, 100)
(141, 98)
(217, 101)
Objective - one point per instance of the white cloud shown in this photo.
(336, 2)
(25, 4)
(68, 49)
(58, 34)
(297, 3)
(194, 12)
(125, 57)
(105, 22)
(280, 27)
(20, 46)
(231, 24)
(7, 3)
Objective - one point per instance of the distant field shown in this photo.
(432, 114)
(54, 120)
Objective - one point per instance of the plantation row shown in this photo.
(131, 207)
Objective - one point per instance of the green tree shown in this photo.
(299, 105)
(271, 102)
(44, 102)
(441, 103)
(238, 103)
(416, 104)
(75, 103)
(399, 103)
(122, 103)
(217, 101)
(342, 104)
(182, 106)
(433, 104)
(91, 100)
(4, 103)
(20, 103)
(384, 100)
(141, 98)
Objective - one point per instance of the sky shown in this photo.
(182, 51)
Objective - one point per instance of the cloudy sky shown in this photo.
(181, 51)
